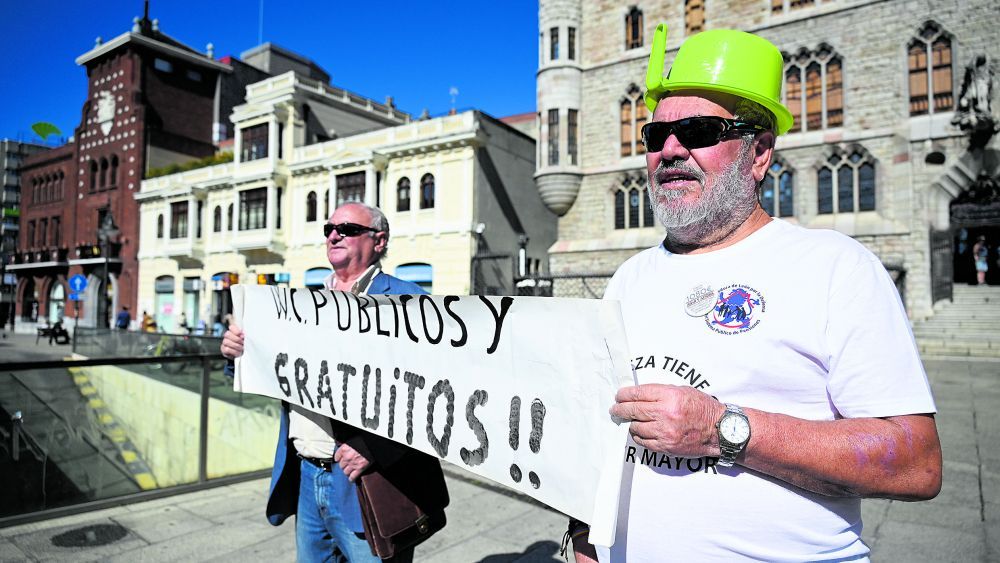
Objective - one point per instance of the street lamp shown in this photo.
(105, 232)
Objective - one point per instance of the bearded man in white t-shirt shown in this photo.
(778, 379)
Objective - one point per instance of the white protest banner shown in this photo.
(515, 389)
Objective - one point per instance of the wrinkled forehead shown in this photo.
(679, 104)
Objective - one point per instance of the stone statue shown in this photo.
(974, 113)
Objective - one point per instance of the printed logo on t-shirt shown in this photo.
(737, 310)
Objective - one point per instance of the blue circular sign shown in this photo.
(78, 283)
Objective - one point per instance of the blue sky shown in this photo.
(413, 51)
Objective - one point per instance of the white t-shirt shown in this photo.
(805, 323)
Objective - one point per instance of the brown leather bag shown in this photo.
(403, 505)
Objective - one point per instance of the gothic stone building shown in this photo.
(873, 85)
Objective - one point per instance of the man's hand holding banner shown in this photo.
(515, 389)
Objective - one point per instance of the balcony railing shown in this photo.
(95, 250)
(85, 434)
(57, 255)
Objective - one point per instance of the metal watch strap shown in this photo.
(729, 450)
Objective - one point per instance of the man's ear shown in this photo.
(381, 240)
(763, 150)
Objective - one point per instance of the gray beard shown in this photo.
(717, 212)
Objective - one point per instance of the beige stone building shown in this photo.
(457, 190)
(873, 85)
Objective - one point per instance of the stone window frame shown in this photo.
(312, 207)
(217, 219)
(428, 191)
(778, 169)
(404, 194)
(852, 160)
(630, 105)
(694, 16)
(179, 219)
(553, 137)
(785, 6)
(633, 28)
(929, 36)
(573, 137)
(831, 94)
(630, 203)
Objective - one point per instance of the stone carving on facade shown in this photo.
(974, 114)
(106, 111)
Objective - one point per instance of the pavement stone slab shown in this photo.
(161, 523)
(905, 541)
(11, 553)
(39, 544)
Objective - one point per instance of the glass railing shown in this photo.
(155, 419)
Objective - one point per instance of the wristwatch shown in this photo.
(734, 433)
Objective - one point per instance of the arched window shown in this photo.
(62, 186)
(159, 226)
(631, 201)
(633, 28)
(217, 219)
(403, 194)
(104, 173)
(113, 181)
(929, 61)
(229, 220)
(93, 175)
(427, 191)
(633, 114)
(311, 206)
(814, 88)
(326, 204)
(777, 190)
(846, 182)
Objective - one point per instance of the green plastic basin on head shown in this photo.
(720, 60)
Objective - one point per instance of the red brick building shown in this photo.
(151, 101)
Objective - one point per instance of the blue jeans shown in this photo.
(321, 533)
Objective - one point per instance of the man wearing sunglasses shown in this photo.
(778, 379)
(317, 458)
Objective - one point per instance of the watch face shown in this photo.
(735, 429)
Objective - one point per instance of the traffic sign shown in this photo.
(76, 297)
(78, 283)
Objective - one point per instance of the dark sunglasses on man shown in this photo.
(694, 132)
(346, 229)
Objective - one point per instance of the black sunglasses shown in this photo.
(694, 132)
(346, 229)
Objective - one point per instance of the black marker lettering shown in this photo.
(300, 382)
(498, 318)
(478, 455)
(280, 361)
(280, 301)
(424, 299)
(370, 423)
(323, 388)
(348, 370)
(316, 291)
(413, 381)
(465, 333)
(442, 387)
(406, 316)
